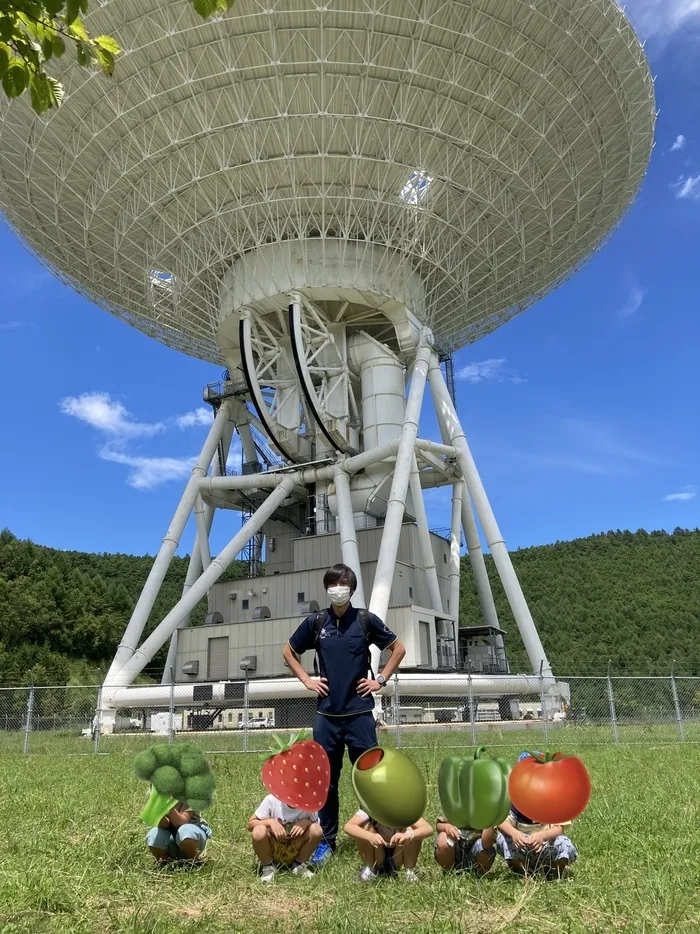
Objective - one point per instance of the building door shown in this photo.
(426, 657)
(217, 659)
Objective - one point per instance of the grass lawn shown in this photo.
(74, 859)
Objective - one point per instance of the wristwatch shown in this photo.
(381, 680)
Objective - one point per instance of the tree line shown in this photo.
(630, 598)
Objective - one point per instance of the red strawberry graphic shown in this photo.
(298, 773)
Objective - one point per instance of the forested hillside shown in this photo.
(62, 613)
(629, 597)
(633, 598)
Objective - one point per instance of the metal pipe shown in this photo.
(187, 603)
(676, 703)
(455, 548)
(511, 585)
(386, 559)
(476, 560)
(160, 566)
(253, 481)
(194, 568)
(426, 546)
(272, 689)
(611, 702)
(348, 537)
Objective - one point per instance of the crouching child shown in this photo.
(181, 836)
(385, 850)
(463, 848)
(283, 836)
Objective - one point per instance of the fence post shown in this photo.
(611, 701)
(396, 702)
(30, 714)
(245, 713)
(471, 702)
(97, 726)
(542, 705)
(676, 704)
(171, 709)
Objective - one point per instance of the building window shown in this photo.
(300, 597)
(245, 604)
(410, 592)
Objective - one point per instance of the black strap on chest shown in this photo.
(325, 616)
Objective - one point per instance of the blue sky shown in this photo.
(582, 413)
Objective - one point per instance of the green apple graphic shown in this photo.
(390, 787)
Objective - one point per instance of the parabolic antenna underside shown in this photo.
(490, 144)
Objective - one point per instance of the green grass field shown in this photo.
(74, 859)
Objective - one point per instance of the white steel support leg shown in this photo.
(476, 560)
(250, 453)
(167, 549)
(194, 568)
(348, 537)
(447, 414)
(202, 532)
(424, 539)
(455, 558)
(386, 560)
(143, 655)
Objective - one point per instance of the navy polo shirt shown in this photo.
(342, 656)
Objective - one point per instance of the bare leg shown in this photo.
(518, 866)
(484, 860)
(444, 853)
(311, 839)
(262, 847)
(161, 856)
(408, 856)
(190, 850)
(371, 855)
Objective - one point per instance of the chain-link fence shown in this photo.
(573, 711)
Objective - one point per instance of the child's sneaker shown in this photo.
(321, 855)
(268, 874)
(367, 875)
(302, 871)
(410, 875)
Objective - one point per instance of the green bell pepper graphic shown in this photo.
(474, 792)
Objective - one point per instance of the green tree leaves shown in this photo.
(32, 32)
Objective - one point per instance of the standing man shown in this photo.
(341, 637)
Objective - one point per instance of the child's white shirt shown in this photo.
(271, 808)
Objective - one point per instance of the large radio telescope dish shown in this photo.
(480, 149)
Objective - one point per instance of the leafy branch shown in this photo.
(32, 32)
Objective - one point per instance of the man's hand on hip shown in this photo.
(366, 686)
(317, 686)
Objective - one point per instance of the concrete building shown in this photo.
(251, 617)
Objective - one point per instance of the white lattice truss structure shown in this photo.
(493, 145)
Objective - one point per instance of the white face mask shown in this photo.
(339, 595)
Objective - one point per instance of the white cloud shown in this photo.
(679, 143)
(690, 492)
(488, 371)
(200, 416)
(100, 411)
(688, 187)
(147, 473)
(661, 18)
(633, 303)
